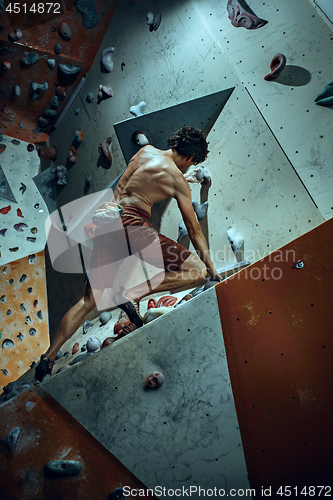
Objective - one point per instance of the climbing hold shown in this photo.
(15, 35)
(151, 304)
(20, 226)
(90, 97)
(76, 348)
(34, 95)
(51, 63)
(57, 48)
(155, 312)
(15, 142)
(20, 336)
(167, 301)
(104, 93)
(203, 176)
(84, 348)
(64, 467)
(153, 21)
(88, 12)
(106, 60)
(60, 172)
(105, 148)
(72, 154)
(139, 109)
(79, 358)
(43, 122)
(140, 138)
(241, 15)
(6, 65)
(2, 148)
(39, 86)
(21, 124)
(77, 111)
(182, 231)
(22, 307)
(79, 136)
(86, 326)
(49, 153)
(69, 69)
(200, 209)
(299, 264)
(19, 213)
(88, 183)
(64, 31)
(14, 249)
(116, 494)
(32, 240)
(39, 315)
(54, 103)
(30, 147)
(156, 379)
(58, 355)
(60, 91)
(93, 344)
(277, 64)
(108, 341)
(3, 299)
(326, 97)
(16, 91)
(30, 59)
(11, 438)
(3, 232)
(49, 113)
(7, 343)
(236, 240)
(32, 258)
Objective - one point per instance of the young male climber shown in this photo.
(152, 175)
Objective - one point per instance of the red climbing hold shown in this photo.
(76, 348)
(5, 210)
(19, 213)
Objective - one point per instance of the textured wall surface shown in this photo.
(183, 433)
(23, 315)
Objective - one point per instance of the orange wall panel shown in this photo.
(23, 315)
(277, 327)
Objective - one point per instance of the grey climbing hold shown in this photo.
(57, 48)
(69, 69)
(15, 142)
(39, 86)
(21, 124)
(116, 494)
(106, 60)
(88, 12)
(20, 336)
(16, 91)
(39, 315)
(105, 317)
(80, 357)
(197, 292)
(299, 264)
(153, 21)
(23, 278)
(49, 113)
(77, 111)
(203, 176)
(3, 299)
(65, 31)
(182, 231)
(58, 355)
(34, 96)
(10, 439)
(43, 122)
(139, 109)
(30, 59)
(93, 344)
(7, 343)
(51, 63)
(64, 467)
(54, 103)
(200, 209)
(90, 97)
(86, 326)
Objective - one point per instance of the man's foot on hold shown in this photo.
(44, 367)
(131, 308)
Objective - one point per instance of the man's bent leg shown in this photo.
(72, 320)
(189, 272)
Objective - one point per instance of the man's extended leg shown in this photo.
(189, 272)
(69, 324)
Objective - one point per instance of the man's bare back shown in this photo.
(151, 176)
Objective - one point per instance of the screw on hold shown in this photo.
(299, 264)
(10, 439)
(116, 494)
(64, 467)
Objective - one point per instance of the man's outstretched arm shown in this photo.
(183, 197)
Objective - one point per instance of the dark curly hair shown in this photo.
(189, 142)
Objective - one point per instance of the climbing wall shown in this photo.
(276, 321)
(40, 28)
(24, 332)
(45, 432)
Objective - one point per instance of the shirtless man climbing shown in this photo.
(152, 175)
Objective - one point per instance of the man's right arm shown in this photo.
(183, 197)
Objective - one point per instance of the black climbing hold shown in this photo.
(64, 467)
(10, 439)
(116, 494)
(39, 315)
(23, 278)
